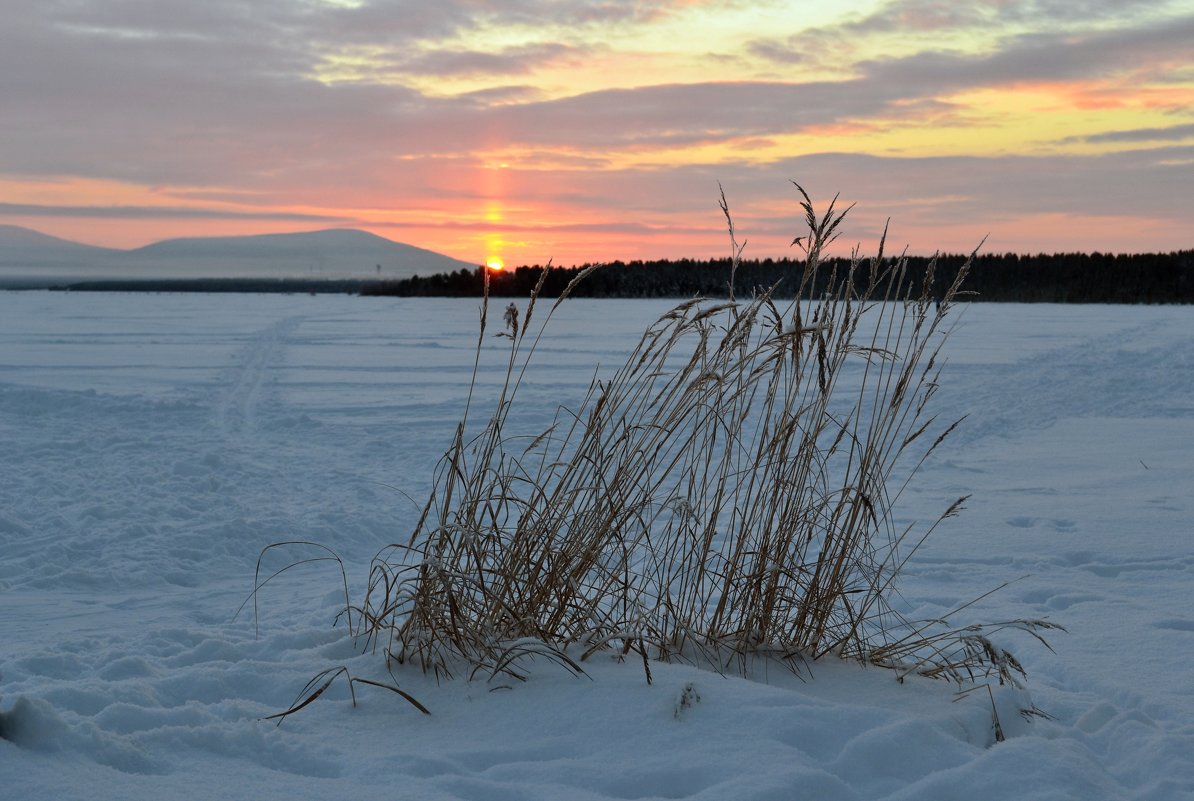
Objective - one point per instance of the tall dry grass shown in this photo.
(727, 494)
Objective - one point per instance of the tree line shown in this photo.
(1055, 278)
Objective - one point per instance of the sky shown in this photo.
(532, 130)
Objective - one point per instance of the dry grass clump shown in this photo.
(727, 494)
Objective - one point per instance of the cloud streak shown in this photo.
(1173, 133)
(159, 213)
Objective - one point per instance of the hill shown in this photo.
(30, 258)
(19, 245)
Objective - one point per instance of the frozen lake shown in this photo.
(151, 445)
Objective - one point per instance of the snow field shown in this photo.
(151, 445)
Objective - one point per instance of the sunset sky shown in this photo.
(531, 130)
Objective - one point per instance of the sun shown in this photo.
(497, 265)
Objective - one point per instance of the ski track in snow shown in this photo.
(153, 445)
(236, 409)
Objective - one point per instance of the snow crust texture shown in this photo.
(152, 445)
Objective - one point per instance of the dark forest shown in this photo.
(1009, 278)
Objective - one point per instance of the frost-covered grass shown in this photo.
(152, 445)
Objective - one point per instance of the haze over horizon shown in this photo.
(528, 130)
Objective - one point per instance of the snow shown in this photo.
(152, 445)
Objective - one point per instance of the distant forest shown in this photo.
(1010, 278)
(1058, 278)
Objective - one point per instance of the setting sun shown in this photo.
(497, 265)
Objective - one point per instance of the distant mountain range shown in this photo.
(30, 258)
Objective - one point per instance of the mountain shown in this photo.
(19, 245)
(335, 253)
(28, 258)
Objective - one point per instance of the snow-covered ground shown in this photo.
(151, 445)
